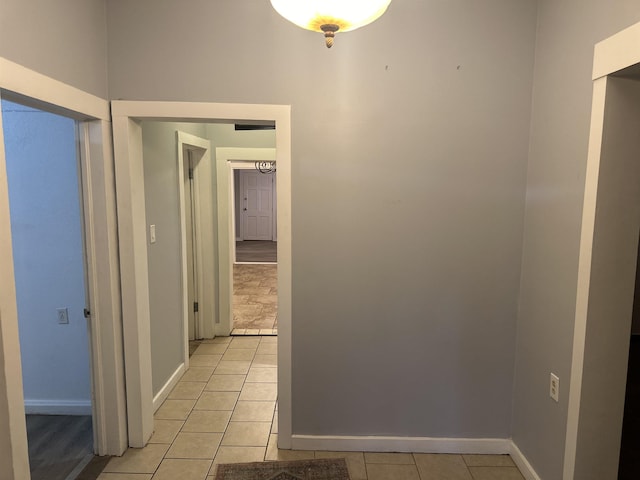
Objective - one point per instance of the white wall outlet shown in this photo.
(63, 315)
(554, 387)
(152, 233)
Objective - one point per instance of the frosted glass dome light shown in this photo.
(331, 16)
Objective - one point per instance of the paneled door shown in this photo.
(257, 205)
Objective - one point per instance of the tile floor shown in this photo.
(255, 299)
(224, 410)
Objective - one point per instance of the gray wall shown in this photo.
(65, 39)
(162, 210)
(46, 230)
(567, 32)
(409, 159)
(409, 137)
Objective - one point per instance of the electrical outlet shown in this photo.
(554, 387)
(152, 234)
(63, 315)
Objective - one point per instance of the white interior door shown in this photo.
(257, 205)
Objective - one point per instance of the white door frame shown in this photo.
(599, 302)
(205, 235)
(228, 154)
(133, 247)
(229, 159)
(27, 86)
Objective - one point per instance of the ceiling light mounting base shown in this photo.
(329, 30)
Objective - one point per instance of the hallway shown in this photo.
(224, 410)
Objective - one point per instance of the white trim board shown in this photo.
(57, 407)
(34, 85)
(522, 463)
(485, 446)
(166, 389)
(496, 446)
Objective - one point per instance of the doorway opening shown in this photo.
(128, 117)
(49, 257)
(197, 235)
(255, 268)
(629, 463)
(607, 264)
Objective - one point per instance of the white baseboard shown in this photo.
(402, 444)
(490, 446)
(166, 389)
(57, 407)
(523, 464)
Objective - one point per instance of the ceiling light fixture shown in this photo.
(331, 16)
(266, 167)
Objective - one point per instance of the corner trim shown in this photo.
(522, 463)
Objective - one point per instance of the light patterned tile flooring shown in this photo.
(224, 410)
(255, 299)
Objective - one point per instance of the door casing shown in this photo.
(606, 266)
(133, 248)
(229, 159)
(205, 191)
(26, 86)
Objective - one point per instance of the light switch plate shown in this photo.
(554, 387)
(152, 233)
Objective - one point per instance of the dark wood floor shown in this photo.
(57, 444)
(256, 251)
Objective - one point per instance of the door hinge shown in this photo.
(87, 313)
(195, 307)
(190, 173)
